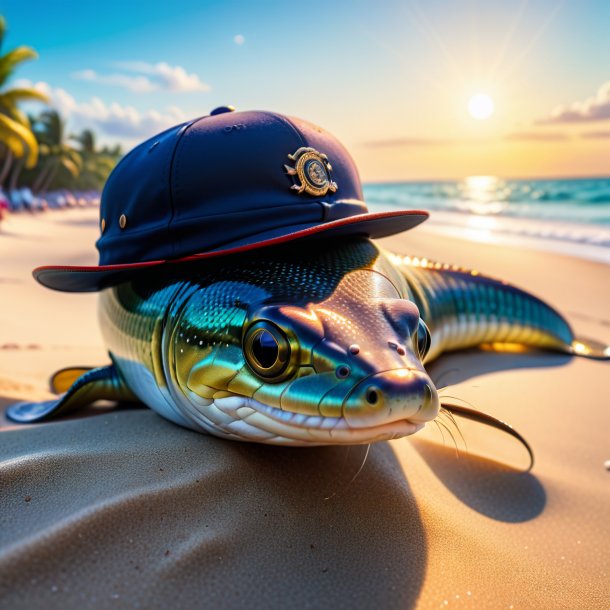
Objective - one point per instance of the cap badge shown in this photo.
(311, 172)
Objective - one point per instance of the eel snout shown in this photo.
(389, 396)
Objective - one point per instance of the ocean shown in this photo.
(567, 215)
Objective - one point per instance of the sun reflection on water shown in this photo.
(483, 195)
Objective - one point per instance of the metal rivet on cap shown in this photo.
(123, 221)
(103, 225)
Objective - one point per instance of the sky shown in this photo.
(391, 79)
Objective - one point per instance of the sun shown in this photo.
(481, 106)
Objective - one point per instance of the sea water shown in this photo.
(568, 215)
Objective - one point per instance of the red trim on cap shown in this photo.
(236, 250)
(94, 278)
(93, 269)
(274, 241)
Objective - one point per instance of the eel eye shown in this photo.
(267, 350)
(422, 337)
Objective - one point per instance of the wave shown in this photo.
(586, 241)
(584, 201)
(598, 198)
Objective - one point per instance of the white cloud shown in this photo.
(176, 78)
(239, 39)
(137, 84)
(59, 98)
(595, 108)
(125, 121)
(148, 77)
(120, 122)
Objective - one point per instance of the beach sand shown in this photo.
(124, 509)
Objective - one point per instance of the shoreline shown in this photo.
(586, 241)
(579, 240)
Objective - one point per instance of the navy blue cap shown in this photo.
(221, 184)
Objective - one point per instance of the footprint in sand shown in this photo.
(10, 346)
(8, 385)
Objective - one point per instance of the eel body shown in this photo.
(301, 347)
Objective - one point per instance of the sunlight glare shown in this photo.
(480, 106)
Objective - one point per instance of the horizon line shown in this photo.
(515, 178)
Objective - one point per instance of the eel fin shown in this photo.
(589, 348)
(102, 383)
(494, 422)
(61, 380)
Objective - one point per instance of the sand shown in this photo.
(125, 510)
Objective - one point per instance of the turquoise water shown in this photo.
(575, 201)
(566, 216)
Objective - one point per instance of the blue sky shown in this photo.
(391, 79)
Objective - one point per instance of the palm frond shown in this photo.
(11, 110)
(12, 59)
(2, 29)
(50, 128)
(14, 128)
(23, 94)
(71, 166)
(12, 141)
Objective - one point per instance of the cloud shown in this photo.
(400, 142)
(121, 122)
(125, 121)
(59, 98)
(524, 136)
(137, 84)
(595, 135)
(146, 77)
(535, 136)
(595, 108)
(239, 39)
(169, 78)
(518, 136)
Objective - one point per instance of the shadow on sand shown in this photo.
(128, 504)
(492, 489)
(489, 487)
(453, 368)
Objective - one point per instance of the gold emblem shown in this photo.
(311, 172)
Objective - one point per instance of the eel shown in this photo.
(301, 345)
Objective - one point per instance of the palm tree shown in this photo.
(86, 139)
(16, 137)
(97, 164)
(56, 152)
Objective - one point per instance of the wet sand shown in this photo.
(125, 509)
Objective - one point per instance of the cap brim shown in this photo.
(94, 278)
